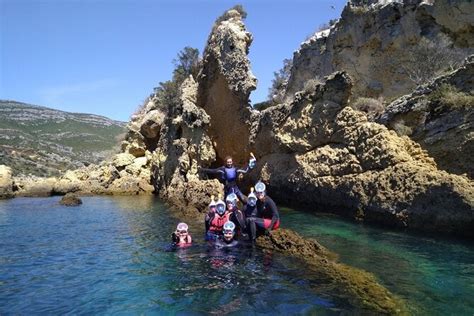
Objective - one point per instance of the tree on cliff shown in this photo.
(279, 82)
(430, 58)
(186, 63)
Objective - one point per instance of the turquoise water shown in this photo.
(434, 276)
(111, 255)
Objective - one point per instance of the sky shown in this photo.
(106, 56)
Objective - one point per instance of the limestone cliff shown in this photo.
(440, 117)
(379, 44)
(326, 156)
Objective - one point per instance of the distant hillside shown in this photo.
(41, 141)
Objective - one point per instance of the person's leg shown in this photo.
(252, 228)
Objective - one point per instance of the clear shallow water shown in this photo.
(111, 256)
(434, 276)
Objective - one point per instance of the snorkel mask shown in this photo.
(182, 229)
(231, 199)
(252, 198)
(260, 189)
(228, 230)
(212, 205)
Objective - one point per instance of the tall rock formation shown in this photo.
(225, 83)
(384, 45)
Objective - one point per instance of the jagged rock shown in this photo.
(70, 200)
(34, 186)
(123, 160)
(151, 124)
(6, 182)
(330, 157)
(374, 44)
(445, 129)
(225, 83)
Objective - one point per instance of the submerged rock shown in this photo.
(70, 199)
(362, 287)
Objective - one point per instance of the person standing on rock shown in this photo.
(230, 173)
(267, 218)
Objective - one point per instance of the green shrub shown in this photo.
(450, 96)
(373, 107)
(263, 105)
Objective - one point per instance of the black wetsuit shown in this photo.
(267, 217)
(237, 217)
(229, 176)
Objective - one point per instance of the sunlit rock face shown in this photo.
(440, 117)
(326, 156)
(375, 44)
(225, 83)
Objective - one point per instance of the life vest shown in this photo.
(218, 222)
(230, 174)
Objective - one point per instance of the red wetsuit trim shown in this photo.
(267, 223)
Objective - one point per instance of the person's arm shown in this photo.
(213, 171)
(250, 165)
(238, 219)
(208, 220)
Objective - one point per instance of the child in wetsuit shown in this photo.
(227, 239)
(181, 236)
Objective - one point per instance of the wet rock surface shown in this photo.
(70, 199)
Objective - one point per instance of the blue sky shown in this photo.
(105, 56)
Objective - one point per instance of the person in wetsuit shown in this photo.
(229, 174)
(215, 221)
(227, 240)
(267, 218)
(236, 215)
(181, 236)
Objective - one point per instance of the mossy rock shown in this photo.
(361, 286)
(70, 200)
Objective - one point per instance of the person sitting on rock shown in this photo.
(230, 173)
(227, 239)
(267, 217)
(250, 205)
(216, 220)
(236, 215)
(181, 236)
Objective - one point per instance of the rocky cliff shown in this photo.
(440, 117)
(387, 47)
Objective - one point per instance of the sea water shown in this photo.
(112, 255)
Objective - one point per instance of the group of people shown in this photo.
(229, 220)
